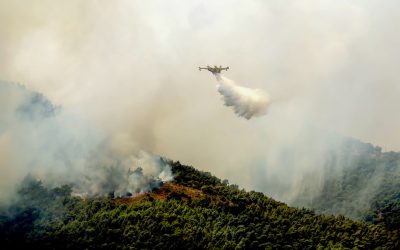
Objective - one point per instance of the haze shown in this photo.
(130, 67)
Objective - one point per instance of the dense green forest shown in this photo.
(195, 211)
(367, 187)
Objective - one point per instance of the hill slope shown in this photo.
(195, 211)
(367, 188)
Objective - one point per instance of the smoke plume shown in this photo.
(245, 102)
(45, 141)
(130, 69)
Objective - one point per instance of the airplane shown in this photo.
(215, 69)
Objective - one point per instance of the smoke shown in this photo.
(245, 102)
(47, 142)
(129, 69)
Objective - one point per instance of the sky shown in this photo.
(131, 69)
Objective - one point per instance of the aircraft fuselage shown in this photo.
(215, 69)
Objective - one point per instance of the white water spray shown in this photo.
(245, 102)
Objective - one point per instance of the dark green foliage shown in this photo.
(224, 218)
(191, 177)
(386, 213)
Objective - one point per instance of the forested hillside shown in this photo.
(367, 187)
(195, 211)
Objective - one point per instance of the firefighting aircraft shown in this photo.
(215, 69)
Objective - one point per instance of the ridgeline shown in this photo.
(195, 211)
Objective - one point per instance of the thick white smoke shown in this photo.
(245, 102)
(39, 139)
(126, 65)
